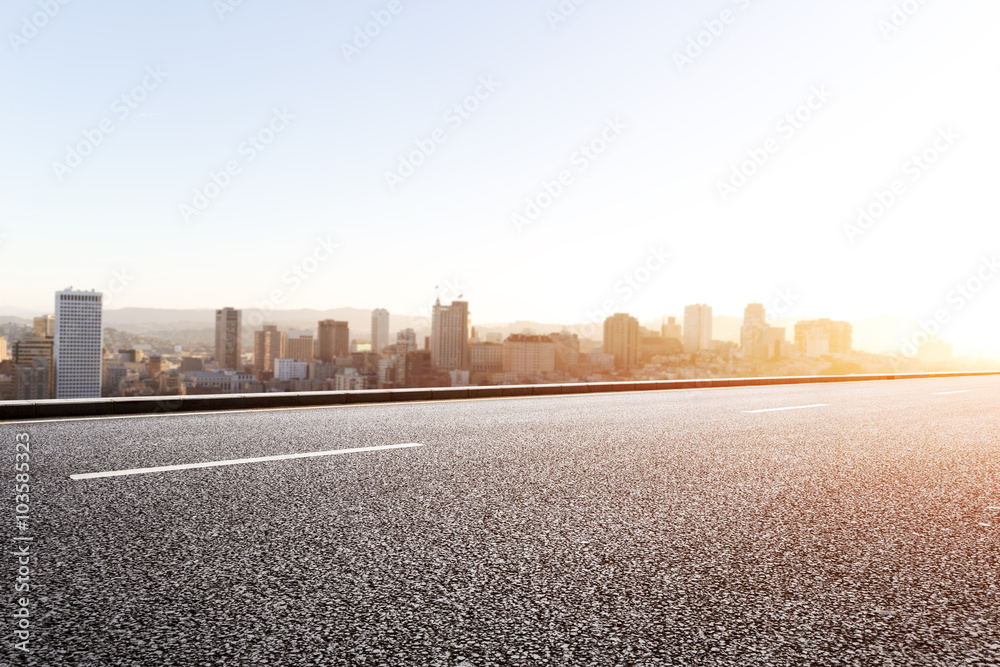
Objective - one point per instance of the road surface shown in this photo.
(830, 524)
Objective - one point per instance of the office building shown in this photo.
(817, 343)
(816, 338)
(759, 341)
(130, 356)
(190, 364)
(406, 341)
(290, 369)
(391, 371)
(486, 357)
(621, 340)
(450, 336)
(114, 373)
(567, 348)
(350, 379)
(218, 382)
(774, 343)
(321, 370)
(44, 326)
(380, 329)
(752, 332)
(334, 340)
(268, 345)
(33, 381)
(672, 329)
(78, 349)
(300, 349)
(25, 354)
(528, 355)
(420, 373)
(697, 328)
(228, 341)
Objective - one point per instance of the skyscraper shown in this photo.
(268, 345)
(450, 336)
(300, 349)
(752, 333)
(334, 340)
(621, 340)
(228, 343)
(380, 329)
(77, 349)
(697, 328)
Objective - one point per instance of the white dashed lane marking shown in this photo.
(794, 407)
(232, 462)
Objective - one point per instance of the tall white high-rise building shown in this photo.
(450, 336)
(380, 329)
(77, 349)
(697, 328)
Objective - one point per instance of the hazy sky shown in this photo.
(310, 115)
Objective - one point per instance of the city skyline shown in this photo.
(905, 342)
(849, 162)
(72, 355)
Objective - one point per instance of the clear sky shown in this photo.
(314, 119)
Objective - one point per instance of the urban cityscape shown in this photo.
(69, 354)
(528, 333)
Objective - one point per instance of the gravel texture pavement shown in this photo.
(657, 528)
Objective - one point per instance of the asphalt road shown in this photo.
(616, 529)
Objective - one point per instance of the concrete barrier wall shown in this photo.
(24, 410)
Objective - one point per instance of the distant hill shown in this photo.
(10, 312)
(149, 320)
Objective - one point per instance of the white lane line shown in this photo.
(945, 393)
(794, 407)
(232, 462)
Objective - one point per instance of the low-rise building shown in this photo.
(529, 355)
(290, 369)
